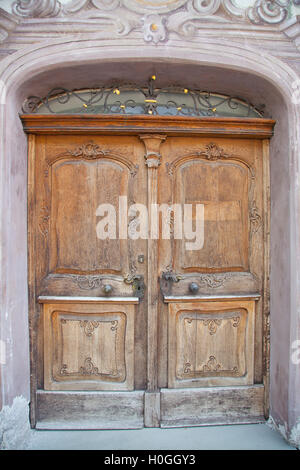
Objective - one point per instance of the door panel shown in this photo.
(129, 331)
(88, 347)
(87, 254)
(212, 406)
(223, 190)
(74, 185)
(211, 343)
(90, 410)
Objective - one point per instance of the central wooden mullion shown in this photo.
(152, 291)
(152, 397)
(152, 144)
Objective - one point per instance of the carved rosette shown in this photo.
(154, 28)
(88, 151)
(214, 152)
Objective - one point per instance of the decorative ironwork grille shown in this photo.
(130, 99)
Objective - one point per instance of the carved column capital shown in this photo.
(152, 144)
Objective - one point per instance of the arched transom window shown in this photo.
(148, 100)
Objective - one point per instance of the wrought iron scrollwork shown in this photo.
(124, 98)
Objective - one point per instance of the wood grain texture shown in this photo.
(171, 125)
(88, 346)
(152, 409)
(97, 257)
(222, 188)
(211, 344)
(209, 298)
(43, 299)
(219, 405)
(90, 410)
(152, 157)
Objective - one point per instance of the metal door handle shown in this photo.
(138, 285)
(107, 288)
(193, 287)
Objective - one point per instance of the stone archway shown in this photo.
(44, 66)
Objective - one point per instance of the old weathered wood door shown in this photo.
(148, 326)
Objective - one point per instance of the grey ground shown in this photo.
(237, 437)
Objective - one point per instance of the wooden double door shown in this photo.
(148, 271)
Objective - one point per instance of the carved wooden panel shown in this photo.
(88, 347)
(77, 190)
(79, 182)
(211, 343)
(222, 187)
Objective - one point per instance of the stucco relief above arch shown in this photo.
(156, 19)
(263, 11)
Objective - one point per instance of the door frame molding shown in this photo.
(258, 128)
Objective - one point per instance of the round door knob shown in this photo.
(107, 288)
(193, 287)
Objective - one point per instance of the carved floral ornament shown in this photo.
(157, 18)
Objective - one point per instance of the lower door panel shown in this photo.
(211, 342)
(212, 405)
(88, 364)
(88, 344)
(211, 362)
(90, 410)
